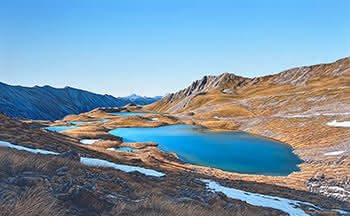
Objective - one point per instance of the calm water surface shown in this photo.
(229, 151)
(124, 149)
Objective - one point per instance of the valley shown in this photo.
(306, 110)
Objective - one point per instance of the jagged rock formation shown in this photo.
(48, 103)
(330, 187)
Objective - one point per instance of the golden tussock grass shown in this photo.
(30, 202)
(13, 162)
(157, 206)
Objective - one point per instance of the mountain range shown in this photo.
(142, 100)
(48, 103)
(306, 108)
(229, 88)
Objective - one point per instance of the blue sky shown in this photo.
(152, 47)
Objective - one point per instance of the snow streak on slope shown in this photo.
(292, 207)
(89, 161)
(339, 124)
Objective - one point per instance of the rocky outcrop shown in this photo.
(48, 103)
(330, 187)
(226, 82)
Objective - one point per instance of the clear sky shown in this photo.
(152, 47)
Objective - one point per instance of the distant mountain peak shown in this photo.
(48, 103)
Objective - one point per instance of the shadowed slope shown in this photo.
(48, 103)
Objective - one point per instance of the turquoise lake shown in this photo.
(229, 151)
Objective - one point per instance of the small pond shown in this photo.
(60, 128)
(123, 149)
(88, 122)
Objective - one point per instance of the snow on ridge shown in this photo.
(22, 148)
(339, 124)
(292, 207)
(89, 161)
(334, 153)
(89, 141)
(310, 115)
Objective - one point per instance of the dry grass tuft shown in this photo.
(31, 202)
(157, 206)
(13, 162)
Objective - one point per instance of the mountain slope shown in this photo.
(50, 103)
(230, 87)
(305, 107)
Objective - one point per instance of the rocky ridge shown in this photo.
(232, 84)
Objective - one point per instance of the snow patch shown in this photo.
(292, 207)
(89, 161)
(334, 153)
(89, 141)
(125, 168)
(22, 148)
(339, 124)
(310, 115)
(336, 188)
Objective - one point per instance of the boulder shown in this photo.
(28, 181)
(61, 171)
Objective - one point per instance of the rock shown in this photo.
(71, 155)
(113, 198)
(61, 171)
(64, 187)
(330, 187)
(189, 113)
(27, 173)
(319, 176)
(28, 180)
(202, 196)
